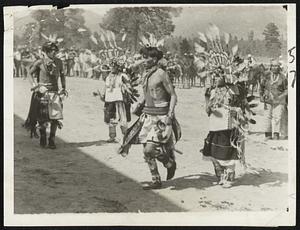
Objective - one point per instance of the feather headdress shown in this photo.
(52, 38)
(108, 39)
(151, 41)
(217, 46)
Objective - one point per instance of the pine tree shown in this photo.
(273, 44)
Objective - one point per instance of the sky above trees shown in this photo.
(238, 20)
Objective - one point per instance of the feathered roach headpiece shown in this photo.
(151, 42)
(51, 43)
(217, 50)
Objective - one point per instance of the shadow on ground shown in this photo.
(66, 180)
(205, 180)
(198, 181)
(262, 177)
(84, 144)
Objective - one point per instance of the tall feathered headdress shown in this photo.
(108, 39)
(115, 57)
(220, 55)
(217, 44)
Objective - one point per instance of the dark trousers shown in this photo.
(18, 68)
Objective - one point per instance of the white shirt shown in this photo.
(17, 56)
(113, 88)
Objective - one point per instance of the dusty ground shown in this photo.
(84, 174)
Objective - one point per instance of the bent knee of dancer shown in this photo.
(150, 150)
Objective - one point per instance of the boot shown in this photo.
(112, 134)
(152, 185)
(171, 171)
(51, 144)
(228, 178)
(43, 138)
(268, 136)
(276, 136)
(155, 184)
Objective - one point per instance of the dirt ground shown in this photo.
(86, 175)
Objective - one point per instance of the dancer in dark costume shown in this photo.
(228, 108)
(46, 104)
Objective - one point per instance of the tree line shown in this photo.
(128, 24)
(273, 45)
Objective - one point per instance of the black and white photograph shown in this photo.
(153, 114)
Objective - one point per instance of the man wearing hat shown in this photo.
(274, 94)
(46, 106)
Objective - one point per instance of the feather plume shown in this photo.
(113, 36)
(199, 48)
(202, 37)
(226, 38)
(209, 35)
(81, 30)
(59, 40)
(234, 49)
(152, 40)
(160, 43)
(124, 37)
(108, 36)
(102, 37)
(52, 38)
(144, 41)
(216, 32)
(44, 36)
(94, 39)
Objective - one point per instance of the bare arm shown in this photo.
(170, 89)
(62, 76)
(207, 101)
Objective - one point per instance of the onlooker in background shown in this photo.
(63, 56)
(94, 61)
(71, 62)
(17, 63)
(81, 61)
(77, 68)
(86, 63)
(26, 61)
(274, 94)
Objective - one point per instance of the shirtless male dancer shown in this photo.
(157, 123)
